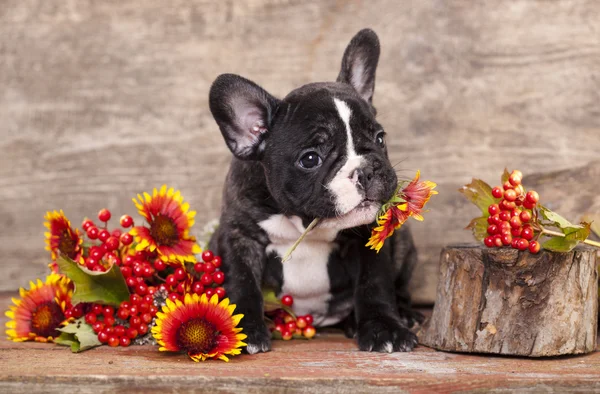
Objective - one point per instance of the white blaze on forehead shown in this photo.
(343, 186)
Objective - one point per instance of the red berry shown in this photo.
(131, 333)
(90, 318)
(104, 215)
(96, 252)
(504, 216)
(522, 244)
(103, 336)
(109, 321)
(98, 326)
(510, 195)
(103, 235)
(143, 329)
(126, 239)
(516, 232)
(528, 204)
(532, 196)
(309, 319)
(123, 313)
(519, 190)
(135, 299)
(515, 222)
(206, 279)
(77, 311)
(199, 267)
(141, 288)
(498, 240)
(126, 271)
(217, 261)
(148, 299)
(131, 281)
(287, 300)
(91, 263)
(301, 322)
(506, 239)
(125, 305)
(493, 209)
(309, 332)
(220, 292)
(525, 216)
(527, 233)
(209, 268)
(173, 297)
(124, 341)
(534, 247)
(112, 243)
(493, 229)
(147, 318)
(209, 293)
(515, 243)
(496, 219)
(171, 280)
(291, 325)
(515, 178)
(97, 309)
(159, 265)
(497, 192)
(86, 224)
(116, 233)
(198, 288)
(507, 186)
(126, 221)
(218, 277)
(119, 330)
(92, 232)
(507, 205)
(278, 327)
(489, 242)
(113, 341)
(179, 273)
(207, 256)
(147, 271)
(286, 334)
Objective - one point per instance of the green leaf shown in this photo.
(107, 288)
(78, 335)
(569, 241)
(480, 194)
(271, 303)
(558, 221)
(505, 176)
(479, 227)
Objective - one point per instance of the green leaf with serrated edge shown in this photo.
(480, 194)
(505, 176)
(560, 222)
(81, 336)
(569, 241)
(107, 288)
(479, 227)
(66, 339)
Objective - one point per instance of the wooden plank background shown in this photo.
(102, 100)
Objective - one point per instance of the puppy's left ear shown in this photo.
(244, 111)
(360, 63)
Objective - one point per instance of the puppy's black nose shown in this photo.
(365, 177)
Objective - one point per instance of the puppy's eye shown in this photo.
(310, 160)
(380, 139)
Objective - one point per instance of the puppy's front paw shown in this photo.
(385, 335)
(259, 339)
(411, 317)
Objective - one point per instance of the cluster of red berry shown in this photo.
(145, 274)
(510, 220)
(288, 326)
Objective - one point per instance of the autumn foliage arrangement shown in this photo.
(139, 283)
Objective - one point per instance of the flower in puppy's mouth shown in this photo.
(40, 311)
(202, 328)
(408, 201)
(61, 238)
(169, 222)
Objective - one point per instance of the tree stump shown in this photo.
(515, 303)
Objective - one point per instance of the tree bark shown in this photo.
(515, 303)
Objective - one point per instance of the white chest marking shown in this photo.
(305, 274)
(343, 186)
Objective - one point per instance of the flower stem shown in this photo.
(288, 254)
(557, 234)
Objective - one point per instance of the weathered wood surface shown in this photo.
(102, 100)
(503, 301)
(328, 364)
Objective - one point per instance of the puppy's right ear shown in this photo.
(244, 111)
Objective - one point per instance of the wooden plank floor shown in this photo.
(329, 363)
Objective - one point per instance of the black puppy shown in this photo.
(318, 153)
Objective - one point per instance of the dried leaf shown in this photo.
(479, 227)
(78, 335)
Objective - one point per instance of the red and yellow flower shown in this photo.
(407, 202)
(169, 222)
(61, 237)
(40, 311)
(204, 329)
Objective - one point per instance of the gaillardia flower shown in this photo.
(408, 201)
(61, 237)
(204, 329)
(40, 311)
(169, 220)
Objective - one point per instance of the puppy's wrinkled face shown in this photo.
(326, 156)
(322, 150)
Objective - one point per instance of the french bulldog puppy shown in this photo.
(317, 153)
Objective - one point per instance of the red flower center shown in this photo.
(164, 231)
(67, 245)
(197, 336)
(46, 318)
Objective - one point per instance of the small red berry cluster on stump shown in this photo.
(509, 220)
(287, 325)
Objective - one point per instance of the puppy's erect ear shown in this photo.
(360, 63)
(243, 110)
